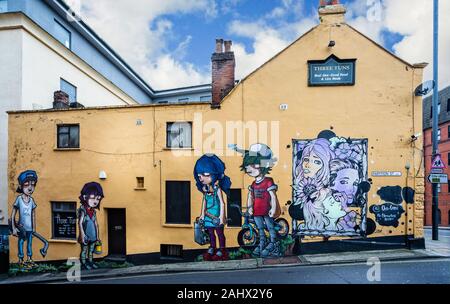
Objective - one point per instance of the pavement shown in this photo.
(435, 250)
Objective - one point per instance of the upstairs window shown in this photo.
(69, 89)
(448, 105)
(62, 34)
(179, 135)
(68, 137)
(3, 6)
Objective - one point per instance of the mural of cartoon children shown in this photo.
(262, 199)
(25, 207)
(90, 199)
(211, 181)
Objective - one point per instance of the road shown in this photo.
(398, 272)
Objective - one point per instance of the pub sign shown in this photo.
(331, 72)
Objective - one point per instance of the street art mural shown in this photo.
(389, 210)
(330, 186)
(25, 227)
(263, 227)
(211, 181)
(91, 197)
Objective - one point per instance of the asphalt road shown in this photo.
(399, 272)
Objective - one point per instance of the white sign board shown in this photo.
(386, 174)
(438, 178)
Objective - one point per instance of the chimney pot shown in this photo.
(219, 46)
(228, 45)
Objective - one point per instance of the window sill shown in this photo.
(63, 241)
(140, 189)
(178, 149)
(178, 226)
(66, 149)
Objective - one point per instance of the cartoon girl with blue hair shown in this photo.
(209, 174)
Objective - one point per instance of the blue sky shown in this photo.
(170, 42)
(204, 30)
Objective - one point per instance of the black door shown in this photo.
(117, 241)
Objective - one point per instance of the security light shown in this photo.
(331, 44)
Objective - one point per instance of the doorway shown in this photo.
(117, 235)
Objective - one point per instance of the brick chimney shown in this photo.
(60, 100)
(223, 72)
(331, 12)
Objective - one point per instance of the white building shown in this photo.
(44, 49)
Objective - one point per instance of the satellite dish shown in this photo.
(425, 88)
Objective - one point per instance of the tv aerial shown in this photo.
(425, 88)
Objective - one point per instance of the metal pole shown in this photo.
(435, 206)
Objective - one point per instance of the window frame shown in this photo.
(61, 80)
(168, 127)
(59, 23)
(58, 146)
(53, 210)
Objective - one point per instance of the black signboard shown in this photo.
(64, 225)
(387, 214)
(332, 72)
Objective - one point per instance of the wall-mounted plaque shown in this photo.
(332, 72)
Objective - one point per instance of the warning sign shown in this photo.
(437, 162)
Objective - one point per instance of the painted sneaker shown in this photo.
(276, 252)
(268, 250)
(208, 256)
(23, 266)
(86, 266)
(31, 263)
(93, 265)
(258, 250)
(221, 255)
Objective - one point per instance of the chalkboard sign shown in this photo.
(387, 214)
(64, 225)
(331, 72)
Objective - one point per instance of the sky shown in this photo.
(170, 42)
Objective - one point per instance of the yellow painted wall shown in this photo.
(380, 107)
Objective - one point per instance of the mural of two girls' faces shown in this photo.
(328, 173)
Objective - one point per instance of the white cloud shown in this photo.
(414, 20)
(140, 34)
(270, 34)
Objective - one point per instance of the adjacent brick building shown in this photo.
(444, 150)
